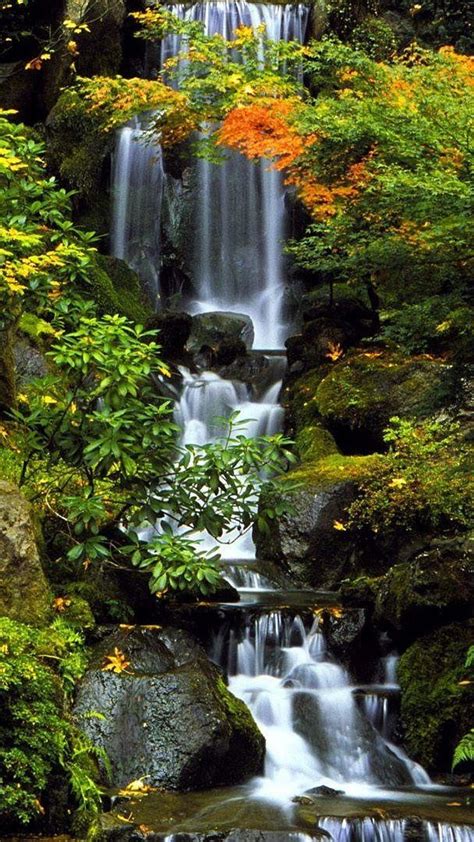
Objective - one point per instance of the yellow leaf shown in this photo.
(334, 351)
(339, 526)
(137, 788)
(61, 603)
(116, 663)
(397, 482)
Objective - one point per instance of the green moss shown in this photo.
(35, 327)
(314, 442)
(115, 288)
(77, 612)
(334, 469)
(76, 146)
(7, 373)
(435, 708)
(244, 732)
(364, 391)
(300, 400)
(37, 739)
(10, 465)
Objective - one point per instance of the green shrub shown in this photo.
(375, 37)
(38, 671)
(429, 325)
(423, 482)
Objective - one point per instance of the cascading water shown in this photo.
(327, 738)
(304, 703)
(138, 180)
(207, 397)
(239, 205)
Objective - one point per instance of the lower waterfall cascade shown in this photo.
(330, 744)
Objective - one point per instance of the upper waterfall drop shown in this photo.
(239, 205)
(137, 195)
(234, 245)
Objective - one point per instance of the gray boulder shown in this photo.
(168, 716)
(305, 542)
(209, 329)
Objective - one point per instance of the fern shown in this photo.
(465, 748)
(470, 657)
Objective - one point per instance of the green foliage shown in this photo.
(423, 482)
(38, 670)
(374, 37)
(103, 445)
(430, 325)
(464, 751)
(403, 222)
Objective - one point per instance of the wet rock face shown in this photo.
(173, 330)
(305, 541)
(436, 709)
(209, 329)
(168, 716)
(24, 592)
(436, 586)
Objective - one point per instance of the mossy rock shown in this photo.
(24, 591)
(434, 587)
(436, 710)
(7, 373)
(115, 288)
(314, 442)
(306, 541)
(360, 394)
(299, 399)
(78, 152)
(184, 729)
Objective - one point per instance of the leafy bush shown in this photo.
(375, 37)
(38, 670)
(101, 444)
(432, 324)
(423, 481)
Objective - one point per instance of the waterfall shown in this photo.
(235, 255)
(304, 703)
(239, 205)
(136, 204)
(327, 738)
(206, 400)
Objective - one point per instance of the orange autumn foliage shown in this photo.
(268, 130)
(263, 130)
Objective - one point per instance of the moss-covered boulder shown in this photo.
(436, 710)
(78, 152)
(7, 373)
(116, 288)
(310, 540)
(209, 329)
(360, 394)
(24, 592)
(167, 714)
(434, 587)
